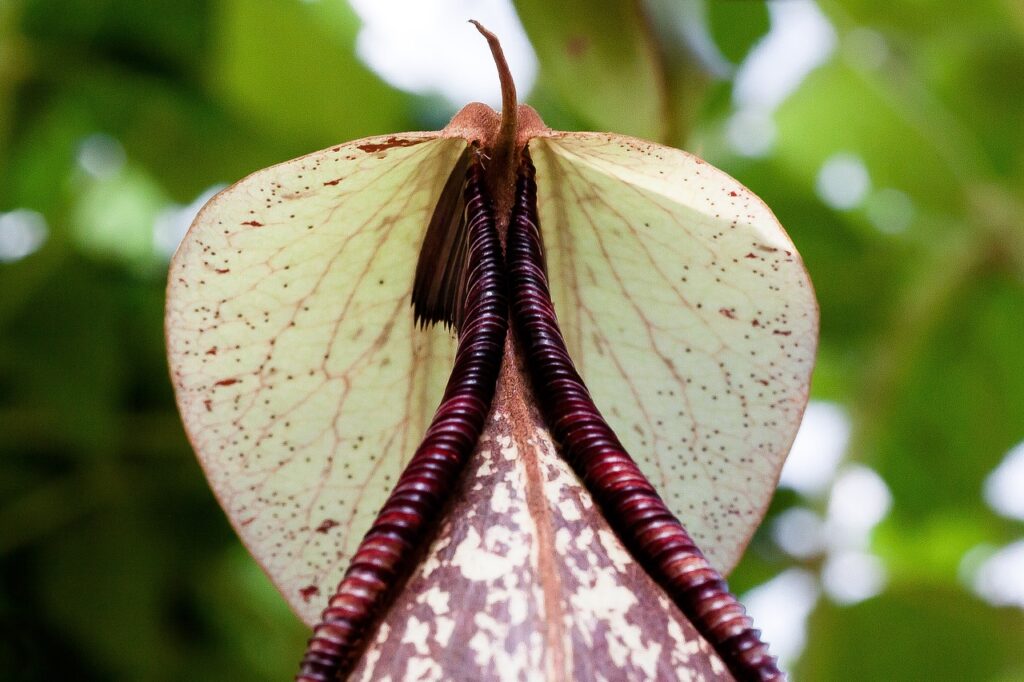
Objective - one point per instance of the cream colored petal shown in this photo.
(300, 376)
(690, 316)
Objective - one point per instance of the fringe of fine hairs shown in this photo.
(652, 533)
(382, 560)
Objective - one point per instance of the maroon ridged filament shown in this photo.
(383, 559)
(651, 532)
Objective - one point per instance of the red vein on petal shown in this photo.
(397, 442)
(626, 497)
(594, 207)
(384, 556)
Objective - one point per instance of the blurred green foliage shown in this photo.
(117, 562)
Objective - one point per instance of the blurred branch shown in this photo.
(684, 79)
(924, 305)
(988, 238)
(896, 84)
(992, 241)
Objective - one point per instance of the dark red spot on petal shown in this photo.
(326, 525)
(728, 312)
(221, 271)
(388, 144)
(253, 223)
(226, 382)
(308, 592)
(332, 183)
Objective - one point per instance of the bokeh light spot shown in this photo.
(101, 156)
(22, 232)
(843, 181)
(800, 40)
(780, 608)
(819, 446)
(428, 48)
(800, 532)
(1004, 487)
(851, 576)
(999, 579)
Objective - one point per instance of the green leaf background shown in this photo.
(115, 561)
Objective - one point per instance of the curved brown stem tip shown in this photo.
(507, 130)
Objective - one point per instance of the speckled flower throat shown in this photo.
(306, 383)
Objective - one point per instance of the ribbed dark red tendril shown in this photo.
(629, 502)
(383, 559)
